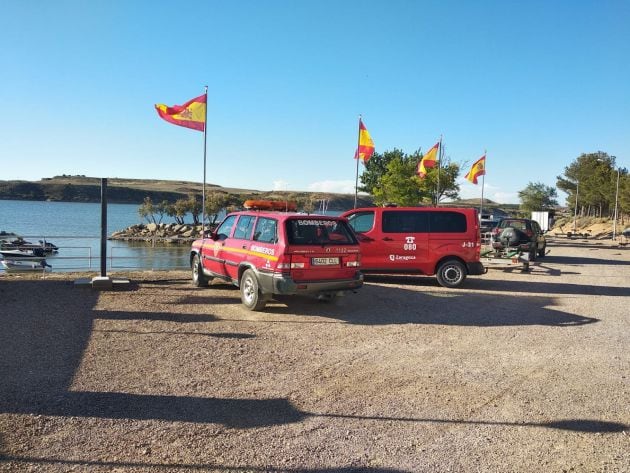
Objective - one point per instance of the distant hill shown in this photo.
(133, 191)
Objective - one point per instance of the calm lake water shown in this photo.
(76, 227)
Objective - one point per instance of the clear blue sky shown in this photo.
(534, 83)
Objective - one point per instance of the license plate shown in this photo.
(324, 261)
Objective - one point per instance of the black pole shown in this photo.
(103, 227)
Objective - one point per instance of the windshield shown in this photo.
(317, 231)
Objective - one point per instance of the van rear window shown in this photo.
(447, 222)
(312, 231)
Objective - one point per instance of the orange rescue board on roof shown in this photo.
(280, 205)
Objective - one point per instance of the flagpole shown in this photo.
(483, 183)
(356, 178)
(203, 189)
(437, 194)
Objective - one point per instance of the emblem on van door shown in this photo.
(411, 243)
(402, 257)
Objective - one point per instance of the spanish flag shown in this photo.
(428, 161)
(190, 115)
(366, 145)
(478, 169)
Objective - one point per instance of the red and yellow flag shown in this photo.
(478, 169)
(366, 145)
(190, 115)
(428, 161)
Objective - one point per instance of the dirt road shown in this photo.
(516, 372)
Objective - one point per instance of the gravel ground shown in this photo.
(516, 372)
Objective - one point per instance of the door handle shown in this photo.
(244, 247)
(388, 239)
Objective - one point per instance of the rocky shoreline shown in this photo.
(159, 232)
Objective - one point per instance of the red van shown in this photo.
(439, 241)
(267, 253)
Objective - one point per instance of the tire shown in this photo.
(198, 278)
(250, 292)
(511, 236)
(542, 251)
(451, 273)
(532, 253)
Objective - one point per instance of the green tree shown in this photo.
(399, 184)
(146, 210)
(447, 175)
(178, 210)
(194, 207)
(153, 213)
(392, 178)
(538, 196)
(215, 203)
(375, 168)
(593, 177)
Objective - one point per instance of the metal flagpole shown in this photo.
(483, 182)
(437, 192)
(356, 179)
(203, 189)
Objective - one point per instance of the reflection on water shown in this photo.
(141, 255)
(83, 254)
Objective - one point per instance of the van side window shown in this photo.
(225, 228)
(266, 230)
(361, 221)
(447, 222)
(396, 221)
(244, 227)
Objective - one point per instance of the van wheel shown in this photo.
(542, 251)
(250, 292)
(451, 273)
(198, 278)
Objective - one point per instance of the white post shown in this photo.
(616, 201)
(577, 191)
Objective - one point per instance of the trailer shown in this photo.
(509, 257)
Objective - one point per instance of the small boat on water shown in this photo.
(15, 266)
(36, 254)
(20, 243)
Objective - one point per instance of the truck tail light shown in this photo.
(291, 262)
(353, 261)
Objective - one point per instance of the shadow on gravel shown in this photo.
(47, 326)
(117, 465)
(240, 336)
(582, 261)
(382, 305)
(575, 425)
(535, 287)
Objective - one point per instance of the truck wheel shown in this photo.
(198, 278)
(250, 292)
(451, 273)
(532, 254)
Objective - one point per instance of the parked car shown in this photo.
(269, 253)
(522, 234)
(439, 241)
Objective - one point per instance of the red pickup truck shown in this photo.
(439, 241)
